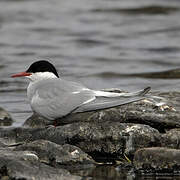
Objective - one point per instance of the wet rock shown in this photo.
(51, 153)
(109, 140)
(141, 112)
(26, 165)
(5, 118)
(157, 160)
(2, 143)
(171, 139)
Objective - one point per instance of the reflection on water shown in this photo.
(107, 172)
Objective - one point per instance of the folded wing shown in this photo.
(55, 99)
(107, 100)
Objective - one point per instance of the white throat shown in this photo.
(41, 76)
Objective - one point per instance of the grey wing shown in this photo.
(99, 105)
(109, 101)
(55, 99)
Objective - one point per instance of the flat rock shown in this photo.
(100, 140)
(171, 139)
(157, 160)
(141, 112)
(53, 154)
(26, 165)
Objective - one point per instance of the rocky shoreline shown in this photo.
(139, 137)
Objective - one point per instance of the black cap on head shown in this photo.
(42, 66)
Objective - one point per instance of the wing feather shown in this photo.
(107, 100)
(57, 98)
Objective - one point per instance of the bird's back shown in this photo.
(54, 98)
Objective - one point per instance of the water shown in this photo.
(101, 43)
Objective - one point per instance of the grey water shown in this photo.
(127, 44)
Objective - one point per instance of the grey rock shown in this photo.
(157, 160)
(26, 165)
(36, 121)
(108, 138)
(5, 118)
(52, 153)
(171, 139)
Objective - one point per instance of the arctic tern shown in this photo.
(53, 97)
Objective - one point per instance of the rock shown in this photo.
(51, 153)
(157, 160)
(171, 139)
(2, 143)
(103, 141)
(26, 165)
(141, 112)
(5, 118)
(36, 121)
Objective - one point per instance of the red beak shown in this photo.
(21, 74)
